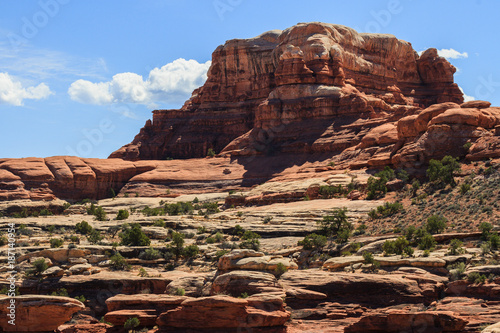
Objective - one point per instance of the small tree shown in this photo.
(178, 243)
(211, 152)
(83, 228)
(436, 224)
(123, 214)
(100, 214)
(313, 241)
(118, 262)
(94, 236)
(331, 224)
(441, 172)
(456, 247)
(485, 228)
(191, 251)
(134, 236)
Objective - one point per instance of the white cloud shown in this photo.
(172, 83)
(467, 98)
(452, 54)
(13, 92)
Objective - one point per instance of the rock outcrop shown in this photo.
(261, 93)
(37, 313)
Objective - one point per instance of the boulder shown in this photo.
(236, 283)
(252, 260)
(34, 313)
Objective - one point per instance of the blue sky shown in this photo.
(81, 77)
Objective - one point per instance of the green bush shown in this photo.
(56, 242)
(94, 236)
(343, 235)
(441, 172)
(211, 207)
(23, 230)
(456, 247)
(386, 210)
(39, 266)
(250, 240)
(123, 214)
(83, 228)
(485, 228)
(436, 224)
(368, 257)
(211, 152)
(397, 246)
(118, 262)
(464, 188)
(191, 251)
(132, 235)
(376, 188)
(331, 224)
(494, 241)
(280, 269)
(427, 242)
(150, 254)
(330, 191)
(131, 323)
(313, 241)
(476, 277)
(100, 214)
(63, 292)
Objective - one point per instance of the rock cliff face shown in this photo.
(314, 87)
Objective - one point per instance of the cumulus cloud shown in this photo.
(452, 54)
(12, 91)
(172, 83)
(467, 98)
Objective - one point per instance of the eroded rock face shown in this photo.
(225, 313)
(400, 321)
(36, 313)
(261, 93)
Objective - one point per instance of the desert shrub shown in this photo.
(467, 146)
(118, 262)
(100, 214)
(456, 247)
(343, 235)
(81, 298)
(56, 242)
(132, 235)
(464, 188)
(330, 191)
(476, 277)
(331, 224)
(94, 236)
(191, 251)
(211, 207)
(485, 248)
(395, 247)
(485, 228)
(237, 230)
(150, 254)
(23, 230)
(386, 210)
(409, 232)
(457, 271)
(494, 241)
(45, 212)
(131, 323)
(313, 241)
(159, 223)
(178, 208)
(39, 266)
(280, 269)
(123, 214)
(180, 292)
(211, 152)
(436, 224)
(376, 188)
(152, 211)
(60, 292)
(219, 237)
(250, 240)
(427, 242)
(178, 243)
(441, 172)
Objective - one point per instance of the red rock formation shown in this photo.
(35, 313)
(226, 313)
(401, 321)
(261, 93)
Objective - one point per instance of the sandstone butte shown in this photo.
(312, 92)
